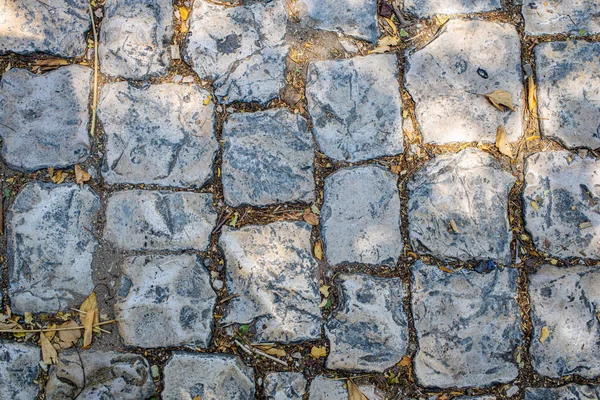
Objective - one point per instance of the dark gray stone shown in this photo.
(50, 246)
(555, 16)
(468, 326)
(429, 8)
(360, 217)
(322, 388)
(285, 386)
(209, 376)
(356, 107)
(572, 391)
(18, 369)
(471, 189)
(165, 301)
(272, 269)
(268, 158)
(57, 27)
(108, 375)
(158, 134)
(44, 118)
(562, 204)
(565, 301)
(568, 75)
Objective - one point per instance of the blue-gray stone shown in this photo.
(571, 391)
(567, 16)
(19, 367)
(284, 386)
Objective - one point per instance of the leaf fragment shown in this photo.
(502, 142)
(454, 226)
(56, 176)
(276, 352)
(324, 290)
(544, 334)
(310, 217)
(501, 98)
(585, 225)
(446, 269)
(531, 95)
(406, 361)
(318, 250)
(184, 13)
(68, 338)
(323, 303)
(315, 210)
(535, 205)
(234, 219)
(91, 316)
(385, 44)
(28, 317)
(318, 351)
(49, 354)
(81, 175)
(354, 392)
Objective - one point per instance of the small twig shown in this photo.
(95, 99)
(241, 346)
(230, 297)
(277, 360)
(222, 222)
(70, 328)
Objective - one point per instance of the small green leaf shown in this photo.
(582, 32)
(403, 33)
(234, 220)
(6, 192)
(243, 330)
(328, 304)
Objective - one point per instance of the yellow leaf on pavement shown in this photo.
(406, 361)
(91, 316)
(531, 94)
(276, 352)
(49, 354)
(502, 142)
(544, 334)
(318, 351)
(318, 250)
(184, 13)
(310, 217)
(324, 290)
(385, 44)
(81, 175)
(501, 98)
(70, 337)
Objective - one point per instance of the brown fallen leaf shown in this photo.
(501, 98)
(502, 142)
(454, 226)
(446, 269)
(531, 95)
(385, 44)
(354, 392)
(276, 352)
(544, 334)
(50, 334)
(70, 337)
(81, 175)
(318, 250)
(56, 176)
(49, 354)
(50, 62)
(396, 169)
(88, 328)
(318, 351)
(406, 361)
(91, 316)
(310, 218)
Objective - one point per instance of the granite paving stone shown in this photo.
(470, 189)
(429, 8)
(561, 204)
(356, 107)
(272, 269)
(568, 77)
(468, 326)
(565, 301)
(448, 78)
(323, 388)
(268, 158)
(51, 243)
(18, 369)
(158, 134)
(284, 386)
(555, 16)
(360, 216)
(571, 391)
(44, 118)
(159, 220)
(165, 301)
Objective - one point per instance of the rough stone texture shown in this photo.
(108, 375)
(356, 107)
(268, 158)
(158, 134)
(322, 388)
(44, 118)
(284, 386)
(360, 217)
(565, 190)
(272, 269)
(568, 75)
(50, 246)
(475, 398)
(448, 77)
(18, 369)
(572, 391)
(468, 326)
(471, 189)
(165, 301)
(348, 17)
(159, 220)
(368, 331)
(555, 16)
(56, 27)
(429, 8)
(135, 39)
(210, 376)
(566, 301)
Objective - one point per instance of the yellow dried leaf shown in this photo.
(315, 209)
(318, 351)
(323, 303)
(318, 250)
(90, 303)
(585, 225)
(406, 361)
(28, 318)
(49, 354)
(184, 28)
(81, 175)
(454, 226)
(276, 352)
(502, 142)
(184, 13)
(385, 44)
(500, 98)
(70, 337)
(310, 218)
(531, 94)
(354, 392)
(554, 261)
(544, 334)
(535, 205)
(446, 269)
(88, 328)
(50, 334)
(324, 290)
(56, 176)
(50, 62)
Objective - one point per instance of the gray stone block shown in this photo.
(568, 77)
(18, 369)
(44, 118)
(468, 326)
(158, 134)
(447, 82)
(284, 386)
(561, 204)
(50, 246)
(429, 8)
(568, 16)
(368, 331)
(108, 375)
(571, 391)
(356, 107)
(471, 189)
(135, 38)
(165, 301)
(360, 217)
(57, 28)
(565, 301)
(272, 269)
(322, 388)
(209, 376)
(268, 158)
(159, 220)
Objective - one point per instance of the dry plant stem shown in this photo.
(251, 350)
(70, 328)
(95, 99)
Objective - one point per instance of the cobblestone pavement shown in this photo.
(302, 199)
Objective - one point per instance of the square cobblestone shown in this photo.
(19, 367)
(429, 8)
(285, 386)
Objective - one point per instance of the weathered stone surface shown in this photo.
(468, 326)
(165, 301)
(272, 269)
(44, 118)
(285, 386)
(268, 158)
(561, 199)
(56, 27)
(158, 134)
(572, 391)
(108, 375)
(429, 8)
(358, 19)
(159, 220)
(360, 217)
(135, 39)
(568, 75)
(18, 369)
(565, 301)
(568, 16)
(448, 78)
(322, 388)
(50, 246)
(355, 106)
(210, 376)
(369, 330)
(471, 189)
(475, 398)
